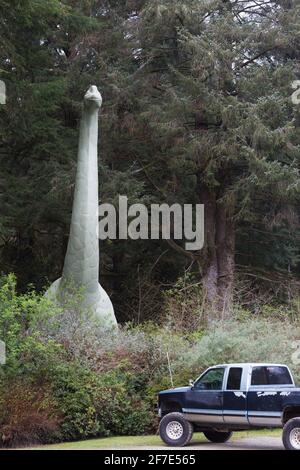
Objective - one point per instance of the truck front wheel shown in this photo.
(217, 436)
(175, 430)
(291, 434)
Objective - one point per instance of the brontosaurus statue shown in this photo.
(81, 266)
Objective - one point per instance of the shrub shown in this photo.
(28, 415)
(252, 340)
(120, 407)
(96, 404)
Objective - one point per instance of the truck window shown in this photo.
(271, 375)
(211, 380)
(279, 376)
(259, 376)
(234, 378)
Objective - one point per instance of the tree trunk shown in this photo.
(210, 277)
(218, 269)
(225, 240)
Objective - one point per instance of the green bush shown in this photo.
(99, 404)
(251, 340)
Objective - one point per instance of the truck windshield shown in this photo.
(271, 375)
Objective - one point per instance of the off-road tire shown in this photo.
(175, 424)
(290, 428)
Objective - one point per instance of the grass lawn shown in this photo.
(122, 442)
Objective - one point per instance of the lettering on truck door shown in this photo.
(267, 389)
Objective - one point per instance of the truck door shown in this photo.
(268, 385)
(204, 402)
(235, 397)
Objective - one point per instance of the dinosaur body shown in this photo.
(81, 265)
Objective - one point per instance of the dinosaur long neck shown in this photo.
(82, 258)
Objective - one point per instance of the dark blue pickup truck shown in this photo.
(232, 397)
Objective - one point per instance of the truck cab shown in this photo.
(230, 397)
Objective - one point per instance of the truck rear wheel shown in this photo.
(217, 436)
(175, 430)
(291, 434)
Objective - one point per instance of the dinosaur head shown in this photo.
(93, 98)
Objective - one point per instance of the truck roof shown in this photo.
(252, 364)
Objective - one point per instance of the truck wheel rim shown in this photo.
(295, 438)
(174, 430)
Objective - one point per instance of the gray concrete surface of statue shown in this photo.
(81, 265)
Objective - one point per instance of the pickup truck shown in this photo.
(232, 397)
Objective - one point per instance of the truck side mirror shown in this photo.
(191, 383)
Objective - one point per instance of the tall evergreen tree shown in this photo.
(216, 79)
